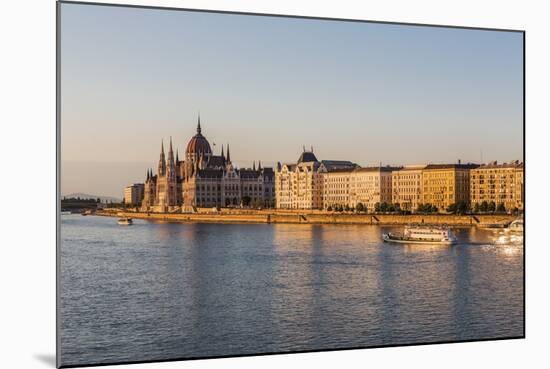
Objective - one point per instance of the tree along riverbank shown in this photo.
(317, 217)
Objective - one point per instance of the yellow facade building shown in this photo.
(446, 184)
(498, 183)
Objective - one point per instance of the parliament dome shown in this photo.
(198, 144)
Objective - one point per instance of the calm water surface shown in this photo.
(157, 291)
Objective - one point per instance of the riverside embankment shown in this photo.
(314, 217)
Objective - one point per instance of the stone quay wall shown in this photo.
(315, 217)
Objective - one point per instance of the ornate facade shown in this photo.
(302, 185)
(203, 179)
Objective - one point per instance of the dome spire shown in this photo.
(199, 124)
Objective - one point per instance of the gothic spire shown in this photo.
(259, 165)
(228, 155)
(223, 156)
(254, 165)
(162, 160)
(177, 156)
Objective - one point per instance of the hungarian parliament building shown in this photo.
(203, 179)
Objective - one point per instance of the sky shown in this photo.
(365, 92)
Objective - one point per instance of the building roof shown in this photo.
(307, 156)
(216, 161)
(412, 167)
(249, 173)
(210, 173)
(387, 168)
(332, 165)
(268, 172)
(496, 165)
(451, 166)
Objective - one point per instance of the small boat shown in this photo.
(516, 226)
(422, 234)
(125, 221)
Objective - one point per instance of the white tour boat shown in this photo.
(422, 234)
(125, 221)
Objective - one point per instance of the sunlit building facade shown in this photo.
(498, 183)
(133, 194)
(446, 184)
(407, 187)
(369, 186)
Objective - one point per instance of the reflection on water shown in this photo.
(167, 290)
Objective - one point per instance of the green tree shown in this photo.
(501, 208)
(384, 207)
(462, 207)
(377, 207)
(246, 200)
(329, 208)
(347, 208)
(484, 206)
(360, 208)
(492, 206)
(476, 207)
(452, 208)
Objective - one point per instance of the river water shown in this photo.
(157, 291)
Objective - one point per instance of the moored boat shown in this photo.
(125, 221)
(516, 226)
(422, 234)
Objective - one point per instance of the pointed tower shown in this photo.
(228, 154)
(171, 164)
(254, 165)
(162, 161)
(259, 165)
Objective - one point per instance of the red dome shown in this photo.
(198, 144)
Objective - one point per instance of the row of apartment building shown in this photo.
(313, 184)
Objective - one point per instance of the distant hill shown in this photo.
(88, 196)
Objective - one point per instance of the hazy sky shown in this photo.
(363, 92)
